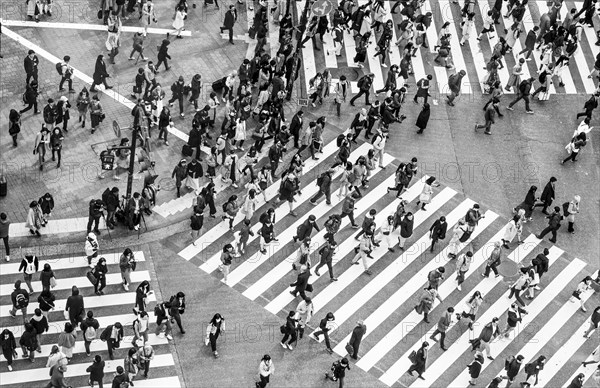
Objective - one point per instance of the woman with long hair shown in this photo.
(474, 302)
(215, 327)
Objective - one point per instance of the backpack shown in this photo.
(530, 368)
(225, 207)
(263, 218)
(361, 82)
(340, 139)
(565, 209)
(508, 361)
(90, 333)
(59, 68)
(375, 137)
(21, 301)
(30, 267)
(431, 276)
(542, 77)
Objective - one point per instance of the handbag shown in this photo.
(349, 349)
(100, 13)
(282, 329)
(52, 282)
(309, 288)
(413, 356)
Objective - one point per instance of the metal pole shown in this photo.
(134, 134)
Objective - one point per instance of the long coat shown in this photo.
(423, 118)
(100, 72)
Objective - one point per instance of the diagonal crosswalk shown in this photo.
(471, 57)
(385, 301)
(114, 306)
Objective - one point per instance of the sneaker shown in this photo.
(161, 335)
(529, 111)
(289, 347)
(283, 345)
(169, 337)
(311, 202)
(216, 354)
(7, 258)
(10, 368)
(509, 108)
(333, 280)
(458, 287)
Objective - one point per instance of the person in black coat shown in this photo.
(548, 196)
(289, 330)
(512, 366)
(229, 21)
(423, 118)
(475, 368)
(30, 63)
(9, 347)
(301, 283)
(296, 127)
(528, 203)
(163, 55)
(438, 231)
(420, 361)
(31, 95)
(305, 229)
(100, 74)
(578, 381)
(356, 337)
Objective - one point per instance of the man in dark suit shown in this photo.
(229, 21)
(547, 196)
(301, 283)
(356, 337)
(296, 127)
(30, 63)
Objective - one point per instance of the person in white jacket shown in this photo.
(304, 313)
(265, 370)
(91, 248)
(379, 145)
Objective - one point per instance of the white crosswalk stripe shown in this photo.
(114, 306)
(472, 57)
(392, 335)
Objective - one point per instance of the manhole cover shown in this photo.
(352, 74)
(508, 269)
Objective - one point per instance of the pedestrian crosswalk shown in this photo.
(471, 57)
(385, 300)
(114, 306)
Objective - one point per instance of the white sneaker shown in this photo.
(10, 368)
(458, 287)
(137, 227)
(91, 266)
(125, 287)
(283, 345)
(169, 337)
(290, 347)
(161, 335)
(8, 259)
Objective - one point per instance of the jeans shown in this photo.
(326, 335)
(442, 336)
(213, 341)
(517, 294)
(487, 270)
(27, 279)
(95, 221)
(320, 194)
(547, 230)
(521, 97)
(62, 81)
(329, 267)
(87, 346)
(29, 106)
(365, 92)
(110, 345)
(100, 284)
(292, 337)
(350, 215)
(57, 152)
(167, 323)
(180, 99)
(572, 157)
(177, 318)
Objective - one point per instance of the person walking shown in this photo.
(30, 99)
(325, 326)
(423, 118)
(20, 300)
(583, 286)
(215, 327)
(475, 367)
(100, 271)
(304, 313)
(454, 83)
(196, 223)
(226, 259)
(437, 231)
(83, 103)
(4, 234)
(265, 369)
(521, 284)
(435, 277)
(490, 113)
(301, 284)
(89, 327)
(594, 322)
(532, 370)
(577, 381)
(29, 266)
(28, 342)
(161, 311)
(364, 250)
(147, 15)
(91, 247)
(96, 371)
(176, 308)
(75, 307)
(163, 55)
(553, 225)
(338, 371)
(489, 332)
(443, 324)
(356, 337)
(426, 302)
(463, 263)
(145, 355)
(100, 74)
(474, 302)
(140, 329)
(121, 378)
(9, 347)
(138, 46)
(512, 366)
(588, 107)
(572, 209)
(96, 113)
(523, 94)
(41, 143)
(56, 358)
(179, 20)
(514, 316)
(513, 228)
(423, 89)
(515, 77)
(30, 63)
(406, 229)
(66, 340)
(34, 219)
(289, 331)
(324, 184)
(548, 195)
(40, 324)
(327, 252)
(112, 335)
(418, 359)
(364, 85)
(178, 90)
(229, 22)
(493, 260)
